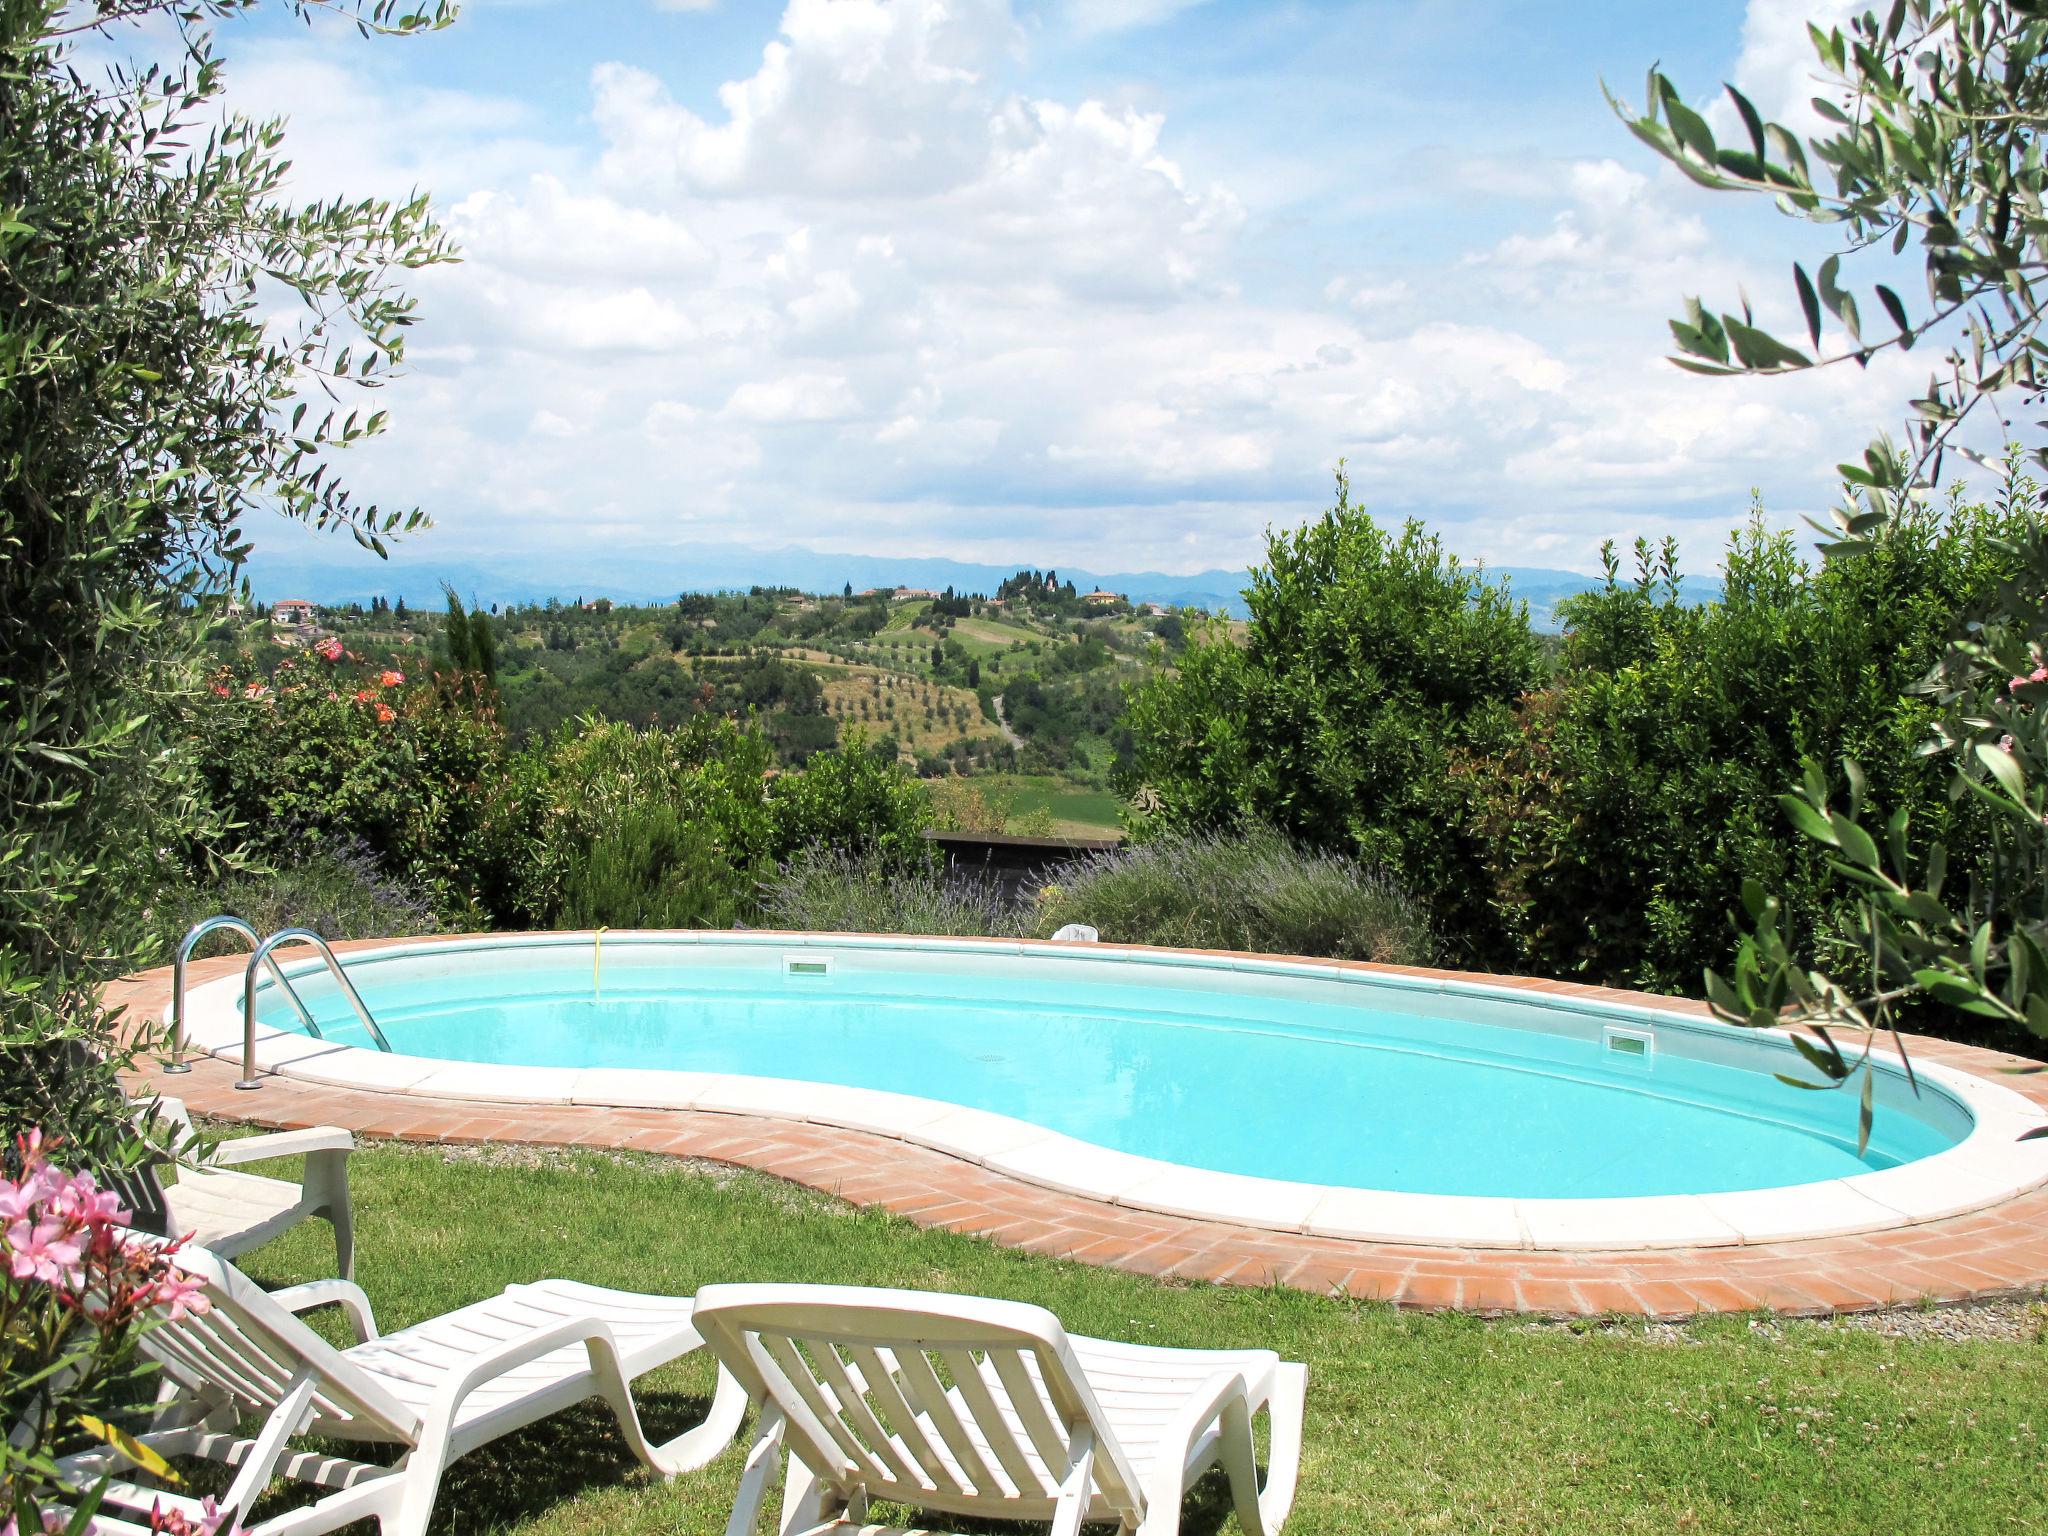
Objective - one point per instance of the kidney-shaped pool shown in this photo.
(1114, 1071)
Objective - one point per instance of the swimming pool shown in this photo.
(1295, 1094)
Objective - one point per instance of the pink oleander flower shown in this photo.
(175, 1522)
(83, 1199)
(329, 649)
(38, 1180)
(364, 695)
(220, 691)
(386, 714)
(182, 1294)
(48, 1249)
(390, 677)
(255, 691)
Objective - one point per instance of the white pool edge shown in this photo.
(1989, 1166)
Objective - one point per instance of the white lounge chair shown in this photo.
(974, 1407)
(228, 1213)
(437, 1390)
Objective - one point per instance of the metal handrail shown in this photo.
(294, 936)
(198, 931)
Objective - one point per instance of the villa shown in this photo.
(292, 613)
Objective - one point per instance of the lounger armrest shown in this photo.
(1186, 1430)
(256, 1149)
(331, 1293)
(591, 1332)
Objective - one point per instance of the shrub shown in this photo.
(579, 814)
(1370, 660)
(854, 796)
(1638, 794)
(681, 827)
(339, 893)
(653, 865)
(1252, 889)
(838, 890)
(337, 752)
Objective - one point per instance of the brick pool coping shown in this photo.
(2001, 1250)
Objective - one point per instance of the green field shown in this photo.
(1076, 810)
(983, 637)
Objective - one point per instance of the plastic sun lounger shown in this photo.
(966, 1406)
(437, 1390)
(228, 1213)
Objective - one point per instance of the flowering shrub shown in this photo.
(76, 1292)
(337, 752)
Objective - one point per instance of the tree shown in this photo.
(467, 640)
(1936, 112)
(1371, 659)
(153, 397)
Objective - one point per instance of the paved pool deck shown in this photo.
(1998, 1251)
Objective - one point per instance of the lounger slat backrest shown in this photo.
(1026, 1392)
(966, 1404)
(861, 1415)
(1030, 1479)
(914, 1372)
(821, 1413)
(249, 1350)
(878, 1369)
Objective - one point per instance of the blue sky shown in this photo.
(1111, 283)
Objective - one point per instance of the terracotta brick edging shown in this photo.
(1999, 1251)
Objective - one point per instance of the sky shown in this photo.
(1105, 283)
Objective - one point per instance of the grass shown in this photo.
(1076, 811)
(1416, 1423)
(989, 637)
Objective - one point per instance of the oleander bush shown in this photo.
(335, 751)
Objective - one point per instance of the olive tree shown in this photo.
(177, 340)
(1930, 153)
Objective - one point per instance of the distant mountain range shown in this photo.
(336, 572)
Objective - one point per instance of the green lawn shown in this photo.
(1416, 1424)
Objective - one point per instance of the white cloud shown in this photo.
(797, 398)
(1777, 69)
(1619, 237)
(967, 318)
(544, 230)
(855, 96)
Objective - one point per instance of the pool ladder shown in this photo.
(263, 953)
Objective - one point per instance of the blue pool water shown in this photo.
(1314, 1080)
